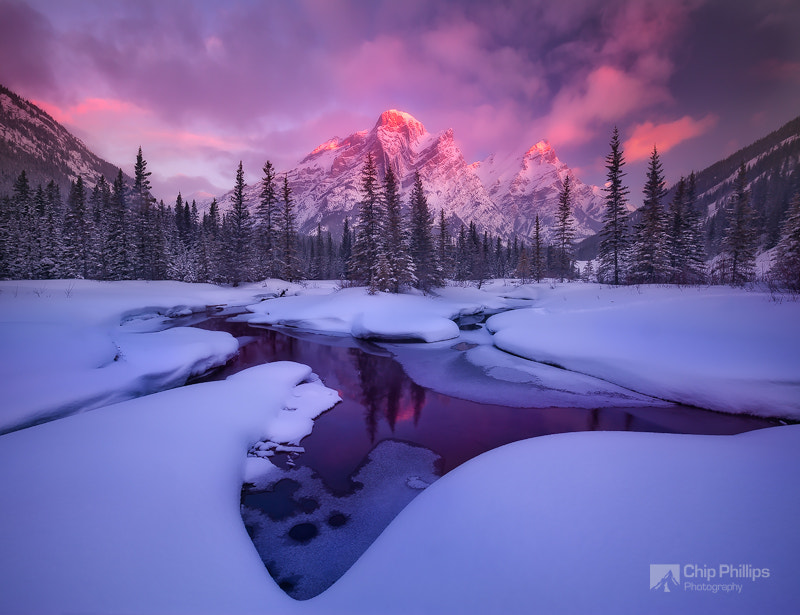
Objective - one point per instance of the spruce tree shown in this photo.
(317, 270)
(695, 261)
(119, 267)
(7, 237)
(395, 267)
(77, 232)
(443, 247)
(100, 211)
(613, 235)
(565, 230)
(147, 242)
(267, 214)
(287, 236)
(22, 244)
(523, 265)
(786, 269)
(52, 250)
(364, 260)
(537, 262)
(422, 248)
(238, 245)
(346, 250)
(649, 261)
(740, 236)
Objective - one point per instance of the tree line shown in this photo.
(113, 231)
(667, 244)
(116, 231)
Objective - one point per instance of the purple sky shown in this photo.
(201, 85)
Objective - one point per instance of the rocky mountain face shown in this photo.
(501, 195)
(32, 141)
(531, 184)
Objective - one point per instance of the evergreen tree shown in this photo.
(649, 262)
(147, 241)
(267, 214)
(364, 260)
(740, 237)
(330, 260)
(7, 237)
(52, 251)
(588, 272)
(117, 247)
(613, 242)
(499, 258)
(287, 236)
(677, 233)
(22, 229)
(212, 233)
(523, 265)
(395, 267)
(694, 244)
(786, 269)
(77, 232)
(346, 250)
(443, 247)
(100, 211)
(317, 269)
(537, 262)
(565, 230)
(462, 264)
(238, 240)
(422, 249)
(159, 264)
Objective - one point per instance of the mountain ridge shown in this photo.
(325, 183)
(31, 140)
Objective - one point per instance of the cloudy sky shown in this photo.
(203, 84)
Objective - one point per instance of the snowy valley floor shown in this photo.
(133, 507)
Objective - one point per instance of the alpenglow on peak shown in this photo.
(398, 121)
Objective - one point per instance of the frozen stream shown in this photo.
(390, 437)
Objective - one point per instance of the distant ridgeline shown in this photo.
(32, 141)
(64, 212)
(773, 174)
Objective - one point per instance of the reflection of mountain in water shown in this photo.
(308, 537)
(386, 391)
(667, 583)
(312, 512)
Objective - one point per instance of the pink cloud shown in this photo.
(88, 108)
(665, 136)
(608, 94)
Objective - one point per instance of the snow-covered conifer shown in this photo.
(649, 260)
(614, 240)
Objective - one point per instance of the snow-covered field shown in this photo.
(133, 507)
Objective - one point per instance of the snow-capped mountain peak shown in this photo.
(401, 122)
(501, 194)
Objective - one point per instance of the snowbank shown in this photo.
(73, 345)
(134, 508)
(572, 523)
(718, 348)
(387, 317)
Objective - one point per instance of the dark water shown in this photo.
(389, 438)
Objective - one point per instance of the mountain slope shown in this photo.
(501, 195)
(31, 140)
(773, 177)
(530, 185)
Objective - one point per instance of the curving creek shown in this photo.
(390, 437)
